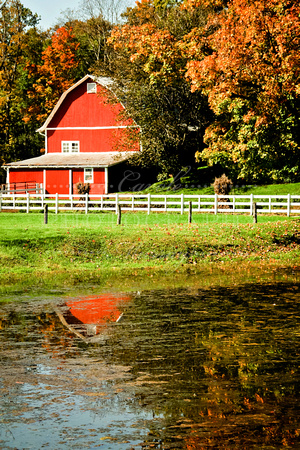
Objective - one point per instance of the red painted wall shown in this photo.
(21, 175)
(98, 187)
(80, 109)
(90, 140)
(77, 177)
(57, 181)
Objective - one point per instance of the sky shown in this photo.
(49, 10)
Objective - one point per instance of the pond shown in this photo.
(190, 368)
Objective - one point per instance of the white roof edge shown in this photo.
(103, 81)
(118, 157)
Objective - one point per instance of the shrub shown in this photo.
(83, 188)
(222, 185)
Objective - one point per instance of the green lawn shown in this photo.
(79, 246)
(66, 220)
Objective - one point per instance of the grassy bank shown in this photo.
(180, 187)
(75, 247)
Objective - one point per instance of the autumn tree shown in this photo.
(92, 23)
(149, 68)
(57, 72)
(16, 23)
(248, 64)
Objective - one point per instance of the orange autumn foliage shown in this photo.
(252, 54)
(55, 75)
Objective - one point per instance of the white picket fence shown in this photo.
(268, 204)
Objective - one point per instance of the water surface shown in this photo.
(167, 369)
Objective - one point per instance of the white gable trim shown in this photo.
(93, 128)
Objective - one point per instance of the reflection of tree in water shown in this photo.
(57, 340)
(222, 364)
(43, 327)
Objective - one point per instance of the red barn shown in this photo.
(84, 138)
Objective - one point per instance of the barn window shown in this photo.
(70, 146)
(88, 175)
(91, 88)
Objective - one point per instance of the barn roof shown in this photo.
(103, 81)
(70, 160)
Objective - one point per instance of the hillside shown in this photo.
(184, 186)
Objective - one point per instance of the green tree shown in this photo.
(92, 35)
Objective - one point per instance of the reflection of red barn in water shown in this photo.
(87, 316)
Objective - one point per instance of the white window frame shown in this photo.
(91, 88)
(88, 175)
(70, 146)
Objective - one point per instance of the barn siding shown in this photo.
(80, 109)
(57, 181)
(21, 175)
(90, 140)
(98, 187)
(77, 176)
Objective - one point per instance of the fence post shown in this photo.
(119, 213)
(190, 212)
(56, 203)
(45, 214)
(149, 203)
(288, 206)
(86, 202)
(251, 204)
(216, 203)
(182, 204)
(117, 204)
(1, 201)
(132, 202)
(254, 208)
(27, 202)
(14, 201)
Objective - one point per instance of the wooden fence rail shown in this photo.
(216, 204)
